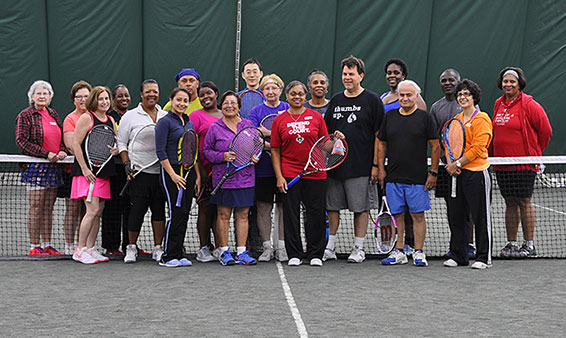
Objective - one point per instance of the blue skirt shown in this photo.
(243, 197)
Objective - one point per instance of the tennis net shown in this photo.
(548, 202)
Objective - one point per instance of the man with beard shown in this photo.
(189, 79)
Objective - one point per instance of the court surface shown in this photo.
(62, 298)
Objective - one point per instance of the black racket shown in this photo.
(188, 154)
(327, 153)
(98, 144)
(247, 145)
(453, 138)
(267, 122)
(141, 152)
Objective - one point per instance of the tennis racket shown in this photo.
(327, 153)
(454, 141)
(141, 152)
(249, 99)
(267, 122)
(385, 229)
(98, 144)
(188, 154)
(247, 145)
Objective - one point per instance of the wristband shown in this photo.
(433, 173)
(375, 165)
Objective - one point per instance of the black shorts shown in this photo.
(64, 191)
(266, 190)
(145, 192)
(518, 184)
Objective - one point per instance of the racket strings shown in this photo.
(142, 149)
(455, 139)
(325, 155)
(100, 141)
(189, 149)
(247, 145)
(268, 122)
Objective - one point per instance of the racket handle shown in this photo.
(179, 198)
(218, 185)
(293, 181)
(90, 190)
(124, 189)
(453, 192)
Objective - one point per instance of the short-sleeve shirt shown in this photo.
(321, 110)
(359, 119)
(264, 168)
(70, 122)
(407, 138)
(295, 136)
(201, 121)
(51, 132)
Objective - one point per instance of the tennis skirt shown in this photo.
(243, 197)
(79, 188)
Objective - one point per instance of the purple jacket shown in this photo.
(217, 142)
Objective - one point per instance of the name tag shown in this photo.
(53, 123)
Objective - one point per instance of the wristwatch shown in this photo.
(433, 173)
(458, 164)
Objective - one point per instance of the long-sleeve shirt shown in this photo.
(478, 136)
(130, 123)
(168, 132)
(217, 142)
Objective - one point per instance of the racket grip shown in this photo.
(218, 185)
(179, 198)
(124, 189)
(90, 190)
(453, 192)
(293, 181)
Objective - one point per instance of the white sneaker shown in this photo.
(266, 255)
(131, 254)
(281, 255)
(480, 265)
(357, 256)
(329, 254)
(217, 253)
(156, 253)
(450, 263)
(204, 256)
(294, 262)
(83, 256)
(419, 258)
(97, 256)
(395, 257)
(316, 262)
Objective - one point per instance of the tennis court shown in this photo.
(515, 298)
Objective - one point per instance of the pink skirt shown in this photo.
(79, 188)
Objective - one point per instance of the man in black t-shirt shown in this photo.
(357, 113)
(403, 138)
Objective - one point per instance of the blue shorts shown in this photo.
(401, 197)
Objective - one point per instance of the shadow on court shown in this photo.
(63, 298)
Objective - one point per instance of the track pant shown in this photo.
(176, 226)
(312, 193)
(473, 193)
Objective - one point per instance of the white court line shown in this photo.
(550, 209)
(291, 301)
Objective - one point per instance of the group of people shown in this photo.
(388, 141)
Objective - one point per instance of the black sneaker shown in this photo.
(510, 251)
(527, 251)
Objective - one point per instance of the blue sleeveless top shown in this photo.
(393, 105)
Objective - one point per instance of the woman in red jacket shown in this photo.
(520, 128)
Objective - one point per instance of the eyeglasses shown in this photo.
(229, 103)
(464, 94)
(297, 94)
(80, 97)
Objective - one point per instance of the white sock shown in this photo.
(45, 244)
(33, 246)
(359, 242)
(331, 240)
(281, 244)
(204, 248)
(513, 243)
(223, 248)
(240, 249)
(530, 243)
(267, 244)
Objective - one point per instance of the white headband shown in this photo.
(511, 72)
